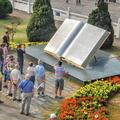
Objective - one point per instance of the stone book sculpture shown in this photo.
(76, 42)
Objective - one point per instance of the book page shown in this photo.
(85, 44)
(63, 37)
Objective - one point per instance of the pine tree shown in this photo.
(41, 26)
(100, 17)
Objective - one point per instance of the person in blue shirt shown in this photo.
(39, 71)
(27, 87)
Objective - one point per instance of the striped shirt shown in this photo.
(59, 70)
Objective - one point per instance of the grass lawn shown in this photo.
(113, 107)
(20, 35)
(115, 50)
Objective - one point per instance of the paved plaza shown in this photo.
(86, 7)
(39, 104)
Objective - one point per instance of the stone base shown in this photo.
(103, 65)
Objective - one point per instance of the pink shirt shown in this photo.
(5, 50)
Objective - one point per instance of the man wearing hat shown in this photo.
(53, 117)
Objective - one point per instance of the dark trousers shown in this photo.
(1, 66)
(5, 77)
(66, 1)
(21, 65)
(78, 2)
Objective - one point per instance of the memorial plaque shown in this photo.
(76, 42)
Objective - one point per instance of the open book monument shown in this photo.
(76, 42)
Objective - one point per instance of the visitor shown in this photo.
(1, 87)
(20, 56)
(5, 69)
(27, 87)
(1, 58)
(30, 71)
(53, 117)
(11, 67)
(40, 75)
(15, 77)
(60, 72)
(5, 50)
(6, 39)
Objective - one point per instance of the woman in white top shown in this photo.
(30, 71)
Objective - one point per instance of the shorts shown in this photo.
(59, 84)
(39, 81)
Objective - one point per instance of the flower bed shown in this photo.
(89, 102)
(13, 45)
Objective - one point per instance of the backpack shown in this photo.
(8, 74)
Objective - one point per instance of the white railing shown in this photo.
(60, 15)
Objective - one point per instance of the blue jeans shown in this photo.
(1, 66)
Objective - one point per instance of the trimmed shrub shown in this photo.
(5, 8)
(41, 26)
(100, 17)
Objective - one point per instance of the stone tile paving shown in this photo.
(39, 105)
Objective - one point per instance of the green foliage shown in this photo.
(100, 17)
(13, 28)
(41, 26)
(5, 8)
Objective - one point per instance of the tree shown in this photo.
(100, 17)
(41, 26)
(5, 8)
(13, 28)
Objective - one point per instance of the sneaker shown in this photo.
(21, 112)
(27, 114)
(42, 94)
(1, 101)
(19, 100)
(56, 97)
(61, 97)
(5, 86)
(38, 95)
(10, 94)
(14, 99)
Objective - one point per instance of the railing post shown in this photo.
(119, 28)
(29, 10)
(68, 13)
(12, 2)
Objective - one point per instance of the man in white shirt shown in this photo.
(15, 78)
(30, 71)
